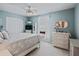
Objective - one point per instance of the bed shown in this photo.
(23, 43)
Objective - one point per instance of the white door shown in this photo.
(43, 25)
(14, 25)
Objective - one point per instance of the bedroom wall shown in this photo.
(4, 14)
(77, 21)
(67, 15)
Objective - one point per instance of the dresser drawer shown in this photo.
(61, 45)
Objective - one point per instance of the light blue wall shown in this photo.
(67, 15)
(77, 20)
(4, 14)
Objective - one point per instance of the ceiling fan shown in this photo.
(30, 11)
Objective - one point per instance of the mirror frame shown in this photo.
(58, 25)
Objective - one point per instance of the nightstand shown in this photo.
(74, 47)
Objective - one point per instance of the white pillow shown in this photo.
(1, 35)
(5, 35)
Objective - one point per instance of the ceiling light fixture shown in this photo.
(30, 11)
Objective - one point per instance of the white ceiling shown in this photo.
(42, 8)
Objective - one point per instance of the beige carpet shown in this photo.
(47, 49)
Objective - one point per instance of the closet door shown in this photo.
(43, 26)
(14, 25)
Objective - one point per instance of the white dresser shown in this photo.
(61, 40)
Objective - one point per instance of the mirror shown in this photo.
(61, 24)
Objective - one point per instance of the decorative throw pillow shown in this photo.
(5, 34)
(1, 35)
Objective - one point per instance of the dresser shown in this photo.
(61, 40)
